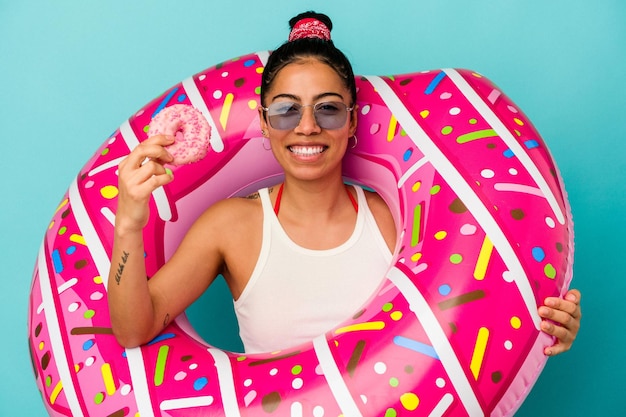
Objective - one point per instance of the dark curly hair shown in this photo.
(323, 50)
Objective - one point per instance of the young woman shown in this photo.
(287, 253)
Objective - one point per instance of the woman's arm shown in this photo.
(133, 305)
(130, 302)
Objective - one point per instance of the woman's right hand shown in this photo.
(139, 174)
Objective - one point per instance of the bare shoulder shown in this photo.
(382, 215)
(229, 214)
(377, 205)
(225, 227)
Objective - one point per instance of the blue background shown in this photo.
(72, 71)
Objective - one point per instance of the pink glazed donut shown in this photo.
(484, 235)
(190, 128)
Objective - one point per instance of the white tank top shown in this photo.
(296, 294)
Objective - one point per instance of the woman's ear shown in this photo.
(262, 120)
(353, 119)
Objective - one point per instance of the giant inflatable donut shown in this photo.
(484, 235)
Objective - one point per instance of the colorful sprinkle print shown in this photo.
(485, 233)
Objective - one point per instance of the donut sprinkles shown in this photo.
(484, 234)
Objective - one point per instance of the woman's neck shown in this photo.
(314, 199)
(317, 217)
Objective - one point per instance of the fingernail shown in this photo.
(544, 311)
(550, 302)
(169, 172)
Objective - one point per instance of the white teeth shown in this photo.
(306, 150)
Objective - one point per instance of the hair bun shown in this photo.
(310, 25)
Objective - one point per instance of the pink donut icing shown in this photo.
(190, 128)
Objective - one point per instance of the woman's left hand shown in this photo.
(561, 320)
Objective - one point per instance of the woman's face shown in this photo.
(308, 151)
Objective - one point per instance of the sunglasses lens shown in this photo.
(284, 115)
(287, 115)
(330, 115)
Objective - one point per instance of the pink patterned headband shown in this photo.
(309, 28)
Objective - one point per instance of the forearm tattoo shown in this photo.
(120, 267)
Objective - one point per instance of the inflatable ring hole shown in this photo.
(212, 317)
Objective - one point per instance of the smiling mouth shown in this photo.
(307, 150)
